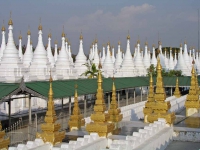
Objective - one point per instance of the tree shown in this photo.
(91, 71)
(169, 73)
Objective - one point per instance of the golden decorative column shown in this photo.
(114, 111)
(148, 109)
(177, 92)
(51, 129)
(160, 107)
(192, 103)
(99, 118)
(4, 142)
(76, 119)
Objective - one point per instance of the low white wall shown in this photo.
(156, 135)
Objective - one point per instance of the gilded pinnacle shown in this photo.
(49, 35)
(29, 32)
(56, 42)
(3, 28)
(81, 36)
(63, 34)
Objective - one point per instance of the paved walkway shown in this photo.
(176, 145)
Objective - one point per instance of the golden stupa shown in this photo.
(160, 107)
(76, 119)
(114, 111)
(177, 92)
(192, 103)
(148, 109)
(4, 142)
(50, 129)
(99, 118)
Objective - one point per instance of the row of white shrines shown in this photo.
(35, 66)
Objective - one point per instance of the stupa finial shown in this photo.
(177, 91)
(10, 22)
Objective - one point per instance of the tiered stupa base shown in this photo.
(75, 122)
(192, 107)
(52, 137)
(169, 117)
(103, 129)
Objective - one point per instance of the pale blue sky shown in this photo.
(175, 20)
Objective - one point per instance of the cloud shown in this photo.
(128, 17)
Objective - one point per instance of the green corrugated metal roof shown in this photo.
(65, 88)
(7, 88)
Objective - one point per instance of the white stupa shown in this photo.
(28, 55)
(56, 51)
(96, 55)
(81, 59)
(166, 59)
(146, 59)
(171, 61)
(3, 43)
(127, 67)
(63, 69)
(108, 65)
(90, 54)
(20, 47)
(113, 54)
(175, 59)
(139, 66)
(197, 63)
(153, 59)
(119, 59)
(49, 52)
(186, 56)
(181, 64)
(11, 68)
(162, 58)
(40, 66)
(190, 55)
(70, 55)
(103, 55)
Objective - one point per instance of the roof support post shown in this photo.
(134, 95)
(9, 112)
(126, 97)
(141, 93)
(171, 91)
(108, 100)
(70, 105)
(85, 106)
(29, 109)
(62, 103)
(118, 97)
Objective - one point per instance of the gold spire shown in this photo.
(51, 129)
(146, 43)
(119, 43)
(20, 36)
(63, 34)
(29, 32)
(31, 42)
(114, 111)
(185, 42)
(148, 109)
(138, 41)
(160, 107)
(181, 45)
(49, 35)
(95, 41)
(10, 22)
(192, 103)
(153, 45)
(56, 42)
(81, 36)
(177, 91)
(128, 37)
(99, 117)
(76, 119)
(3, 27)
